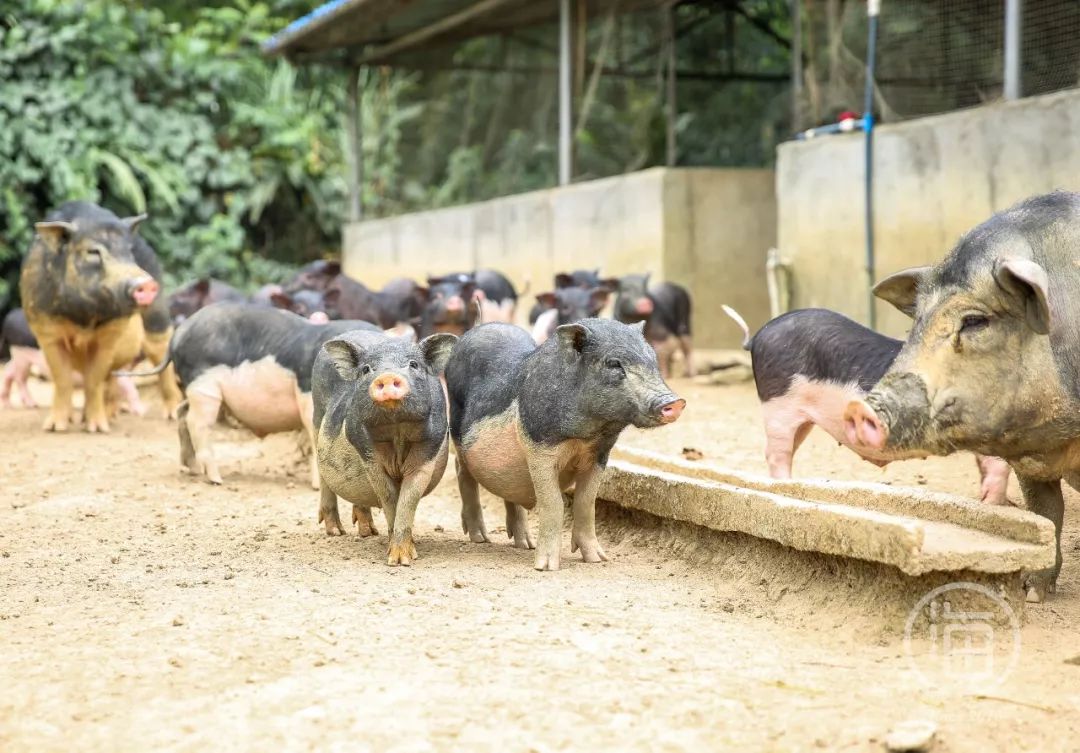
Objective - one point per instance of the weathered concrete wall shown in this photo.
(708, 230)
(935, 179)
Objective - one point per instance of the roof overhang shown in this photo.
(374, 31)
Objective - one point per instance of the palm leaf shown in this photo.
(121, 177)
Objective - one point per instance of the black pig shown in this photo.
(529, 422)
(380, 419)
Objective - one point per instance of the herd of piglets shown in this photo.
(382, 382)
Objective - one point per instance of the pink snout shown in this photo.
(319, 317)
(388, 389)
(454, 303)
(863, 428)
(670, 413)
(143, 290)
(643, 306)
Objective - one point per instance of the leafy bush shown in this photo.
(237, 159)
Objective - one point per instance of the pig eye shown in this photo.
(94, 254)
(973, 323)
(414, 365)
(614, 363)
(365, 370)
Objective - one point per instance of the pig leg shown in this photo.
(472, 515)
(187, 450)
(130, 395)
(156, 348)
(688, 354)
(517, 526)
(583, 535)
(63, 385)
(96, 383)
(328, 512)
(544, 470)
(307, 418)
(1044, 498)
(785, 430)
(415, 484)
(24, 388)
(5, 384)
(365, 524)
(204, 407)
(994, 480)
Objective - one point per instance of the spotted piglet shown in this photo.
(380, 418)
(808, 365)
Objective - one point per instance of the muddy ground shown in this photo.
(143, 609)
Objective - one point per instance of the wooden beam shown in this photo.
(443, 25)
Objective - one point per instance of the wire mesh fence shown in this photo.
(933, 57)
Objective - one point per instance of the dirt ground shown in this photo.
(143, 609)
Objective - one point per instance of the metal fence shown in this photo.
(933, 57)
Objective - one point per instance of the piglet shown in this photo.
(530, 422)
(808, 365)
(380, 418)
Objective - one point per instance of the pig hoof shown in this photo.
(55, 424)
(401, 553)
(333, 528)
(591, 551)
(365, 524)
(522, 539)
(1039, 586)
(546, 561)
(477, 531)
(101, 426)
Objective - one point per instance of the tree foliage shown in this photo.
(235, 157)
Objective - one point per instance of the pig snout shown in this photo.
(454, 303)
(863, 427)
(319, 317)
(643, 306)
(388, 389)
(670, 409)
(143, 290)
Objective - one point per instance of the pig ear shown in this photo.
(1028, 280)
(900, 288)
(54, 233)
(436, 349)
(332, 268)
(639, 326)
(132, 223)
(331, 297)
(281, 300)
(610, 284)
(598, 298)
(345, 356)
(572, 336)
(563, 280)
(548, 299)
(202, 285)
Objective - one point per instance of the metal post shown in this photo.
(354, 132)
(796, 65)
(672, 110)
(566, 167)
(873, 7)
(1014, 10)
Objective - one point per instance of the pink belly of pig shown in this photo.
(262, 396)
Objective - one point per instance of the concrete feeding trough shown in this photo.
(916, 531)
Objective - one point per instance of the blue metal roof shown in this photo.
(323, 14)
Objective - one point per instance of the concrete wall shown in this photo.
(935, 179)
(705, 229)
